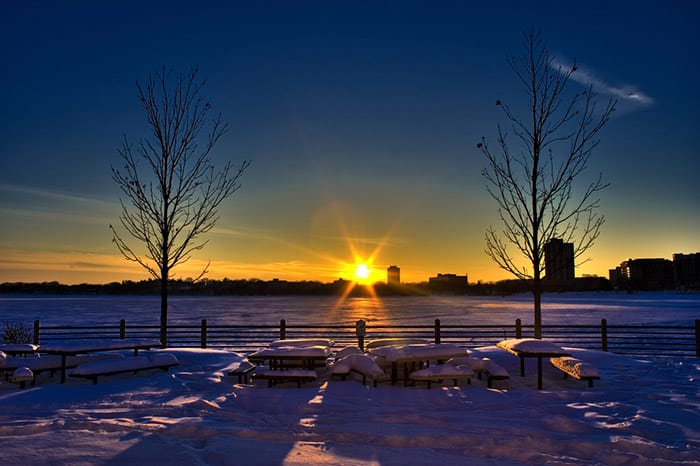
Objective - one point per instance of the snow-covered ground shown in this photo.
(642, 411)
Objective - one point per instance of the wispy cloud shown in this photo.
(50, 194)
(55, 207)
(30, 200)
(627, 94)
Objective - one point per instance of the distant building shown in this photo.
(643, 274)
(615, 277)
(393, 275)
(559, 261)
(686, 271)
(448, 283)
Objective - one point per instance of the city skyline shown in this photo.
(361, 123)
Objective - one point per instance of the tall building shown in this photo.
(393, 275)
(686, 271)
(559, 260)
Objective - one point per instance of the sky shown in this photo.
(361, 120)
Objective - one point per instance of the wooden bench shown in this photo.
(441, 372)
(360, 364)
(489, 369)
(347, 351)
(482, 367)
(292, 375)
(576, 368)
(343, 374)
(49, 363)
(93, 370)
(242, 371)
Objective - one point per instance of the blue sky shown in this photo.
(361, 119)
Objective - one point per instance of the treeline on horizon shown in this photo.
(255, 287)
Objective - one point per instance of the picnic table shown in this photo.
(308, 356)
(290, 363)
(97, 346)
(532, 348)
(301, 342)
(405, 355)
(18, 349)
(396, 342)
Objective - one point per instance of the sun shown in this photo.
(362, 273)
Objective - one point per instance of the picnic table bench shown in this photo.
(360, 364)
(95, 369)
(482, 367)
(291, 375)
(576, 368)
(443, 371)
(242, 370)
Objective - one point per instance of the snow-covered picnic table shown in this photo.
(532, 348)
(283, 363)
(407, 355)
(85, 347)
(395, 342)
(18, 349)
(95, 369)
(302, 342)
(309, 356)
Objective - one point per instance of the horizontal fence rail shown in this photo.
(637, 340)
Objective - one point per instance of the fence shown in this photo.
(638, 340)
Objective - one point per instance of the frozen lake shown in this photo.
(571, 308)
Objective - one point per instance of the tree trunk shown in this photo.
(537, 295)
(537, 290)
(164, 307)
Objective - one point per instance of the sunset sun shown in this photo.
(362, 274)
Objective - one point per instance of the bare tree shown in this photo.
(171, 188)
(532, 178)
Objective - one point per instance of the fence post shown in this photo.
(437, 331)
(36, 332)
(518, 328)
(697, 337)
(283, 329)
(203, 342)
(604, 334)
(122, 329)
(360, 332)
